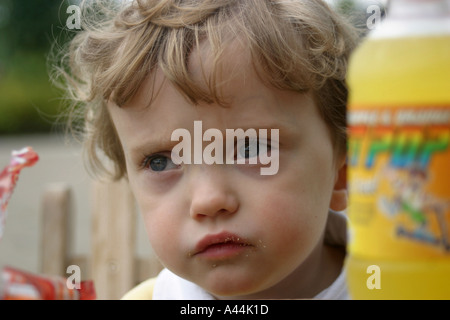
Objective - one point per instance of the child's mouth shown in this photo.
(221, 246)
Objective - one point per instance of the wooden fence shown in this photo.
(113, 263)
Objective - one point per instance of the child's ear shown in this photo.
(339, 196)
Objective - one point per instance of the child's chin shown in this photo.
(228, 287)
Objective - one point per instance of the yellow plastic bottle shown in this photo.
(399, 156)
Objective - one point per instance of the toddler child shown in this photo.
(224, 230)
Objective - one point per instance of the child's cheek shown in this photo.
(163, 233)
(290, 221)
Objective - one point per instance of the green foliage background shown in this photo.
(28, 28)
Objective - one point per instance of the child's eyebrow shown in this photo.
(152, 146)
(164, 143)
(263, 125)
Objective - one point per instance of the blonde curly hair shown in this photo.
(299, 45)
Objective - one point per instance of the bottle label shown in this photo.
(399, 182)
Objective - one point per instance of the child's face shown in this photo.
(226, 227)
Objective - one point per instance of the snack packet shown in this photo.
(25, 157)
(17, 284)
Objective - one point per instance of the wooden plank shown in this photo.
(56, 212)
(113, 239)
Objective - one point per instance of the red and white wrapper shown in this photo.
(16, 284)
(9, 176)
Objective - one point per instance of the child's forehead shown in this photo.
(231, 75)
(252, 104)
(227, 71)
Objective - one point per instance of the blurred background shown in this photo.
(28, 103)
(29, 109)
(29, 116)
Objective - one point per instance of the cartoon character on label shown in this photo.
(417, 206)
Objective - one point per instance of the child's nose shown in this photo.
(212, 193)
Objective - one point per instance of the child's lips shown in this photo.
(221, 246)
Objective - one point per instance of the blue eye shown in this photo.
(159, 163)
(251, 148)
